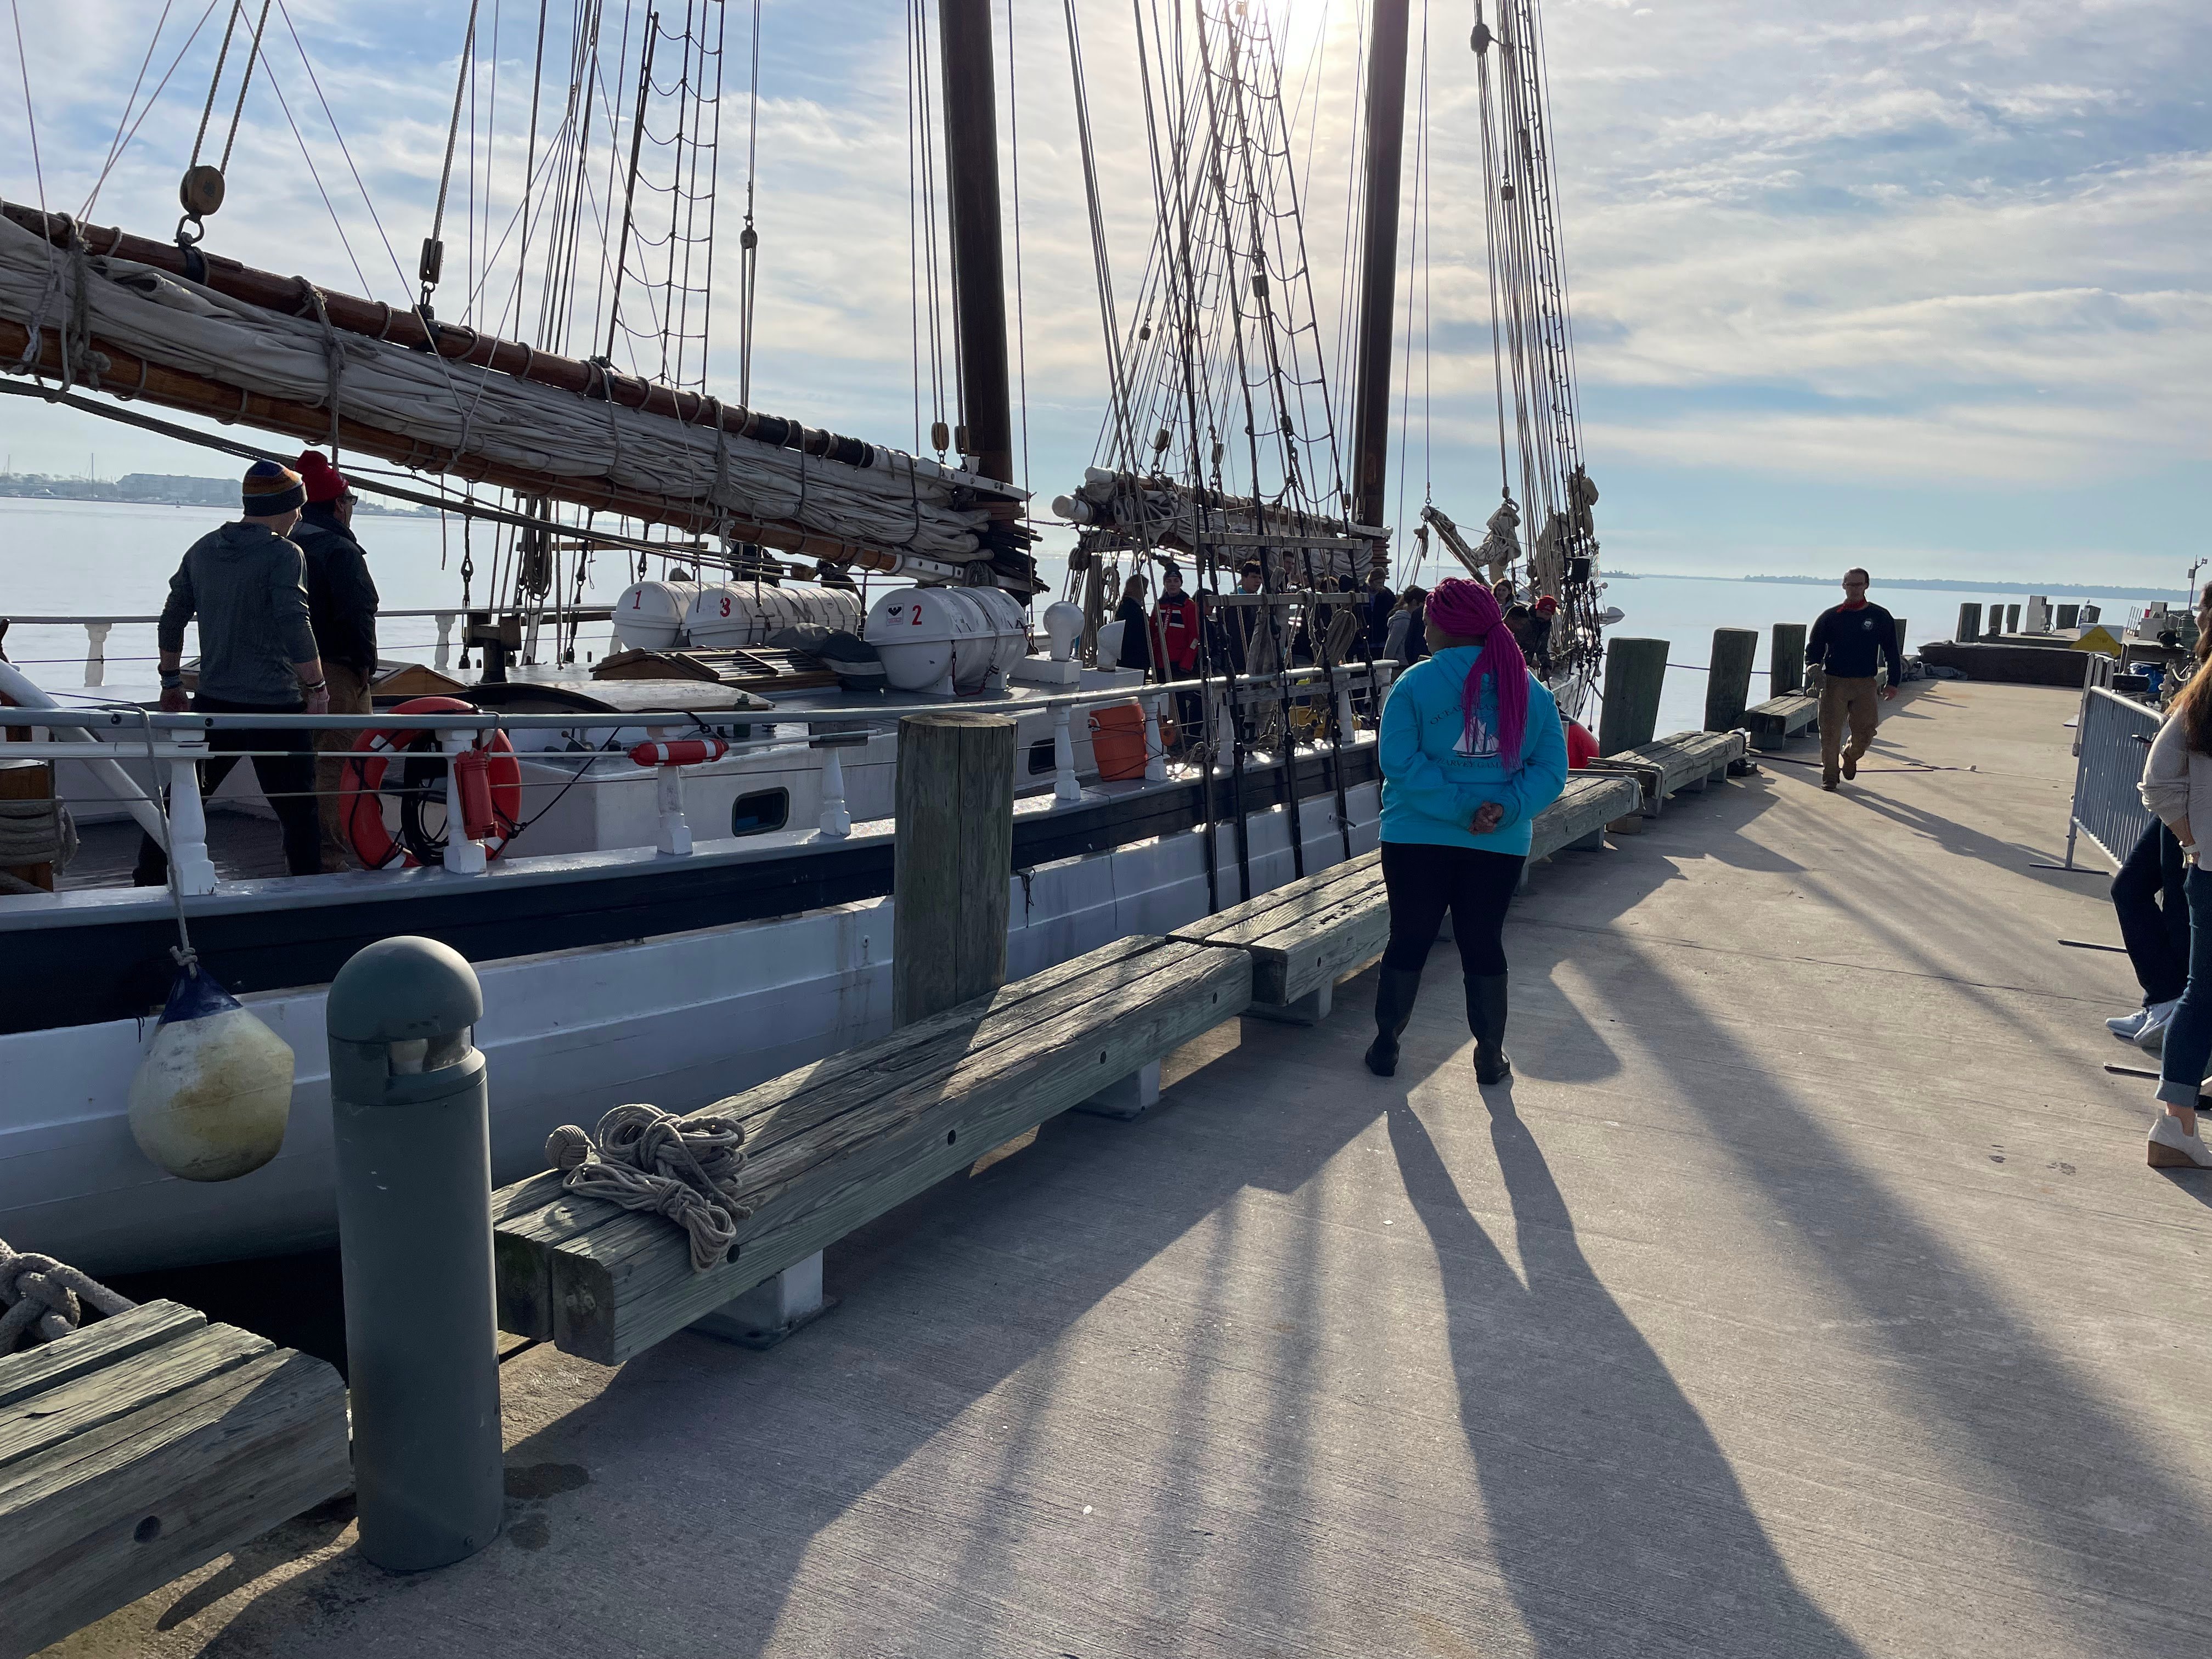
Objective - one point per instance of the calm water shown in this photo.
(73, 558)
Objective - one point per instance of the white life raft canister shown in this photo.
(649, 616)
(731, 616)
(210, 1099)
(947, 639)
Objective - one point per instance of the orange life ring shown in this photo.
(361, 778)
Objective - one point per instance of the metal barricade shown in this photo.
(2114, 735)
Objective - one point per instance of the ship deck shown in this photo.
(1807, 1294)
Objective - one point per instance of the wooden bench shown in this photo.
(836, 1143)
(1306, 936)
(1776, 721)
(143, 1446)
(1666, 766)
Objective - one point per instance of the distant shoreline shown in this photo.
(1942, 583)
(155, 489)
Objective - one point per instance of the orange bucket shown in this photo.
(1117, 742)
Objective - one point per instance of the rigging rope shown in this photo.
(462, 78)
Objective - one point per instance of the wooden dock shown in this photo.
(1807, 1294)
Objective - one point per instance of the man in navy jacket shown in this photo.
(1850, 642)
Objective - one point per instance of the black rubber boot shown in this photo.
(1396, 989)
(1486, 1018)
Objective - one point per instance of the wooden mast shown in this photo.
(978, 272)
(1378, 263)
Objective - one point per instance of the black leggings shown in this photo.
(1426, 881)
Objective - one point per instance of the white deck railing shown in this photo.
(97, 629)
(101, 735)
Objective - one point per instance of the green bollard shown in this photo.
(1635, 672)
(412, 1128)
(1727, 680)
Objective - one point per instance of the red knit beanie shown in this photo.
(324, 483)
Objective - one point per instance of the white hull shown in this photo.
(679, 1020)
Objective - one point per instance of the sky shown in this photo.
(1911, 285)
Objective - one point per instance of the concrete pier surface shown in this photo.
(1806, 1294)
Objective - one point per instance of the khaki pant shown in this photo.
(349, 696)
(1841, 698)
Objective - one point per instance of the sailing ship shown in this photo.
(622, 957)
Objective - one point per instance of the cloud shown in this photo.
(1909, 242)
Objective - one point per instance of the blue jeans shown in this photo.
(2189, 1039)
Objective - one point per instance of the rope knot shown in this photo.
(643, 1158)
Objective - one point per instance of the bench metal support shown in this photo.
(772, 1310)
(1310, 1009)
(1130, 1096)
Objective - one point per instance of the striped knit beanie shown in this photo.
(270, 489)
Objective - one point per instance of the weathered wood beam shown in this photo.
(838, 1143)
(158, 1442)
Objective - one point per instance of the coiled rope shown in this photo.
(644, 1158)
(43, 1300)
(36, 832)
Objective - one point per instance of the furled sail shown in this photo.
(93, 308)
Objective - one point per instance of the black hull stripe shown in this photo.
(96, 972)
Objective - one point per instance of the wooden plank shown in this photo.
(1780, 718)
(104, 1342)
(110, 1515)
(1293, 897)
(45, 1420)
(1323, 949)
(1590, 801)
(533, 1216)
(621, 1287)
(1687, 757)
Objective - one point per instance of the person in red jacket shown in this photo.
(1174, 629)
(1174, 650)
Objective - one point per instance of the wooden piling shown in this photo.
(1970, 623)
(1787, 659)
(2069, 616)
(1635, 672)
(953, 861)
(1727, 680)
(1900, 637)
(2012, 619)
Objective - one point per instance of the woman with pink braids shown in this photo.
(1471, 749)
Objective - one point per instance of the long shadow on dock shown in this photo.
(2042, 1461)
(717, 1478)
(732, 1493)
(1615, 1517)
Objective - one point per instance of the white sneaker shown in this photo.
(2170, 1149)
(2150, 1035)
(2124, 1026)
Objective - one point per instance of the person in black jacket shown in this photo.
(342, 605)
(1380, 602)
(1850, 642)
(1136, 626)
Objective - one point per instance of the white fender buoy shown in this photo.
(210, 1099)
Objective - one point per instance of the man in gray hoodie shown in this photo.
(248, 587)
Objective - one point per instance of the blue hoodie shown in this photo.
(1433, 779)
